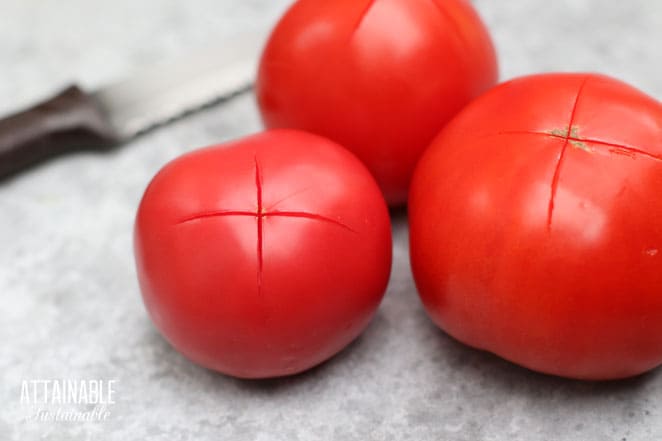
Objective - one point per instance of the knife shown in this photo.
(74, 119)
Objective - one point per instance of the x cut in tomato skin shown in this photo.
(536, 226)
(265, 256)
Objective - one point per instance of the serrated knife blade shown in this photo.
(79, 120)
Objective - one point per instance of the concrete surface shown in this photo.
(70, 302)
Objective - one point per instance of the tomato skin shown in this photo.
(263, 296)
(540, 242)
(380, 77)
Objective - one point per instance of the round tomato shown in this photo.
(380, 77)
(536, 226)
(265, 256)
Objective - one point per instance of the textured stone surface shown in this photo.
(70, 301)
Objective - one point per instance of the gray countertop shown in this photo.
(71, 308)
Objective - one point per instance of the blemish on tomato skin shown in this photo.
(561, 133)
(580, 145)
(652, 252)
(624, 152)
(567, 132)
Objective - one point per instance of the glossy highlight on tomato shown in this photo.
(380, 77)
(265, 256)
(536, 226)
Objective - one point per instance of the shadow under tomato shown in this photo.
(168, 364)
(398, 214)
(352, 356)
(492, 372)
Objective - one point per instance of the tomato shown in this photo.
(380, 77)
(265, 256)
(536, 226)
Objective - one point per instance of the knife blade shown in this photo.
(99, 120)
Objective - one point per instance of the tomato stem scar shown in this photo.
(619, 149)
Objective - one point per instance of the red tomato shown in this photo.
(536, 226)
(380, 77)
(265, 256)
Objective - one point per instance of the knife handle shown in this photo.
(71, 120)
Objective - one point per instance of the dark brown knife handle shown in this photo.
(71, 120)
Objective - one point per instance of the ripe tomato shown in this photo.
(380, 77)
(536, 226)
(265, 256)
